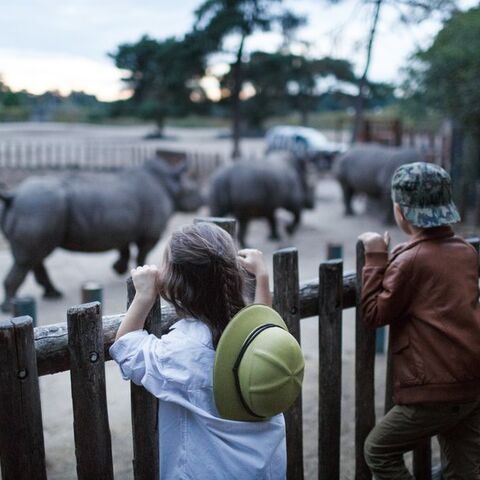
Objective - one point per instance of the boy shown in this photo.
(428, 293)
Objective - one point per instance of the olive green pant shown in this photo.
(404, 426)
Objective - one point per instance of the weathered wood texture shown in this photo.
(51, 340)
(146, 461)
(93, 447)
(309, 295)
(286, 302)
(330, 369)
(22, 452)
(364, 377)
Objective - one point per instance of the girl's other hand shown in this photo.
(252, 261)
(374, 242)
(146, 280)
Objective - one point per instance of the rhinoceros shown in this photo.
(369, 169)
(90, 212)
(252, 189)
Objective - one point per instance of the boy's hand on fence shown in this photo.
(374, 242)
(252, 261)
(146, 281)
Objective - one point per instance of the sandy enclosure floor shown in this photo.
(326, 223)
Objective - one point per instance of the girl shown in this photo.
(202, 276)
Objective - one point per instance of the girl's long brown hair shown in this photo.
(201, 276)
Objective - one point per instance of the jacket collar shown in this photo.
(426, 234)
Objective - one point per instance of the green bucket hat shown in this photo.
(424, 193)
(258, 369)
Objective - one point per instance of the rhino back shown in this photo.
(252, 188)
(109, 211)
(369, 168)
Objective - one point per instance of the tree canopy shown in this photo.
(448, 72)
(163, 74)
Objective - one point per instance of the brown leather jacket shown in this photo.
(428, 293)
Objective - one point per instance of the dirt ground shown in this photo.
(326, 223)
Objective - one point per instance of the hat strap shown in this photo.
(254, 334)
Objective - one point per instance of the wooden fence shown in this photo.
(101, 155)
(81, 346)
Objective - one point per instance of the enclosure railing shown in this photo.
(81, 346)
(100, 155)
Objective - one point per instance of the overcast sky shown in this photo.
(63, 44)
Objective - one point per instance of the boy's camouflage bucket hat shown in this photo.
(424, 193)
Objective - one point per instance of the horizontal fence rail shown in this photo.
(51, 341)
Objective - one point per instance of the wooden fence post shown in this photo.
(228, 224)
(388, 381)
(22, 451)
(92, 292)
(146, 460)
(330, 368)
(286, 302)
(93, 446)
(422, 461)
(25, 306)
(334, 251)
(364, 377)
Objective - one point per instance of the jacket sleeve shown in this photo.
(386, 293)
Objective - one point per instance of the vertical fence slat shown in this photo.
(228, 224)
(422, 461)
(93, 447)
(22, 451)
(364, 377)
(146, 459)
(388, 381)
(330, 368)
(286, 303)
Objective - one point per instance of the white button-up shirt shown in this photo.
(195, 443)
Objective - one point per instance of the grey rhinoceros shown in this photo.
(91, 212)
(252, 189)
(369, 169)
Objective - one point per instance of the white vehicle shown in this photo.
(305, 142)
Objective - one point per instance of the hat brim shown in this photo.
(428, 217)
(227, 400)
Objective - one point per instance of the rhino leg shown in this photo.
(42, 278)
(295, 222)
(272, 221)
(347, 198)
(144, 248)
(121, 265)
(12, 282)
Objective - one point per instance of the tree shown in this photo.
(163, 75)
(219, 19)
(409, 11)
(284, 81)
(446, 75)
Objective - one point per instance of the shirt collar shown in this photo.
(194, 329)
